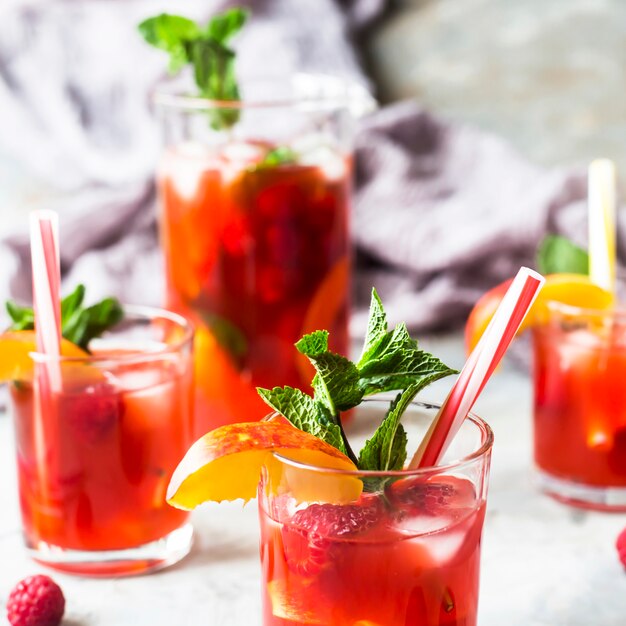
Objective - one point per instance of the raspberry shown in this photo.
(92, 413)
(36, 601)
(414, 496)
(620, 544)
(308, 534)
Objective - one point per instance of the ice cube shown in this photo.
(578, 350)
(243, 153)
(446, 544)
(328, 160)
(185, 166)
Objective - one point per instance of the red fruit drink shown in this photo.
(254, 226)
(256, 255)
(580, 406)
(405, 554)
(95, 456)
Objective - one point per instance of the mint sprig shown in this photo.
(557, 255)
(207, 49)
(390, 361)
(79, 324)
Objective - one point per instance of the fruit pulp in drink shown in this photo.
(580, 404)
(256, 255)
(95, 456)
(374, 563)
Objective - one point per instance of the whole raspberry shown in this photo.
(620, 544)
(308, 536)
(416, 496)
(93, 412)
(36, 601)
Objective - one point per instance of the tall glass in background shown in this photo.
(407, 552)
(580, 406)
(96, 449)
(254, 226)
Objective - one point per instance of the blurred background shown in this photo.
(531, 89)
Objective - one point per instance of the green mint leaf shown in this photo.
(170, 33)
(78, 324)
(214, 71)
(396, 363)
(313, 344)
(72, 302)
(376, 329)
(224, 26)
(281, 155)
(558, 255)
(22, 318)
(206, 49)
(386, 450)
(336, 383)
(304, 413)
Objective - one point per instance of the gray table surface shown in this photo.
(543, 564)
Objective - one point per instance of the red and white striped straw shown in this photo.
(479, 367)
(44, 248)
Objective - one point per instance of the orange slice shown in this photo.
(324, 309)
(15, 349)
(226, 464)
(572, 289)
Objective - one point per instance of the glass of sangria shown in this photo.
(96, 449)
(407, 552)
(580, 406)
(254, 225)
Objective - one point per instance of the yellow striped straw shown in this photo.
(602, 235)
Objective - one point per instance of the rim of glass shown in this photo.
(554, 306)
(350, 94)
(485, 447)
(139, 312)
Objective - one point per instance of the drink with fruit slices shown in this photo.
(96, 452)
(579, 361)
(254, 191)
(351, 540)
(408, 553)
(580, 406)
(257, 255)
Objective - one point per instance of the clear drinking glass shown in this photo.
(580, 406)
(254, 225)
(406, 552)
(96, 448)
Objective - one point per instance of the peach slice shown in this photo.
(15, 348)
(226, 464)
(572, 289)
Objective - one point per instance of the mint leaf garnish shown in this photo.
(376, 328)
(206, 49)
(22, 317)
(386, 450)
(224, 26)
(336, 383)
(558, 255)
(172, 34)
(390, 360)
(304, 413)
(78, 324)
(281, 155)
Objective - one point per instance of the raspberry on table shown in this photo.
(620, 544)
(36, 601)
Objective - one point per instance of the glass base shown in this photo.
(112, 563)
(610, 499)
